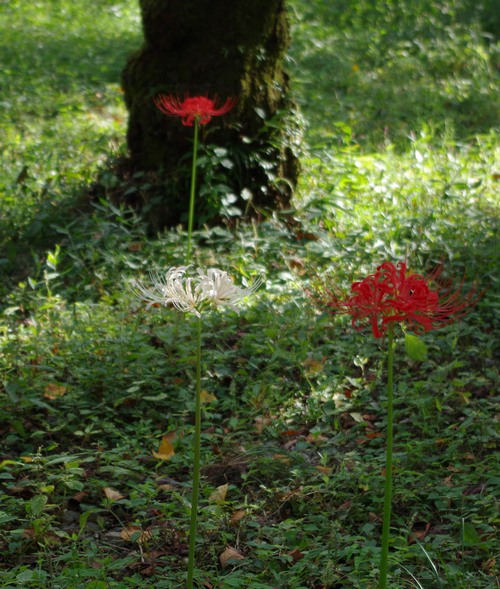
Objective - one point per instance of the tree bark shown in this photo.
(223, 48)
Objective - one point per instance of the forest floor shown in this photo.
(400, 114)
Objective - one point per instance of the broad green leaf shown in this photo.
(415, 347)
(24, 576)
(470, 535)
(37, 504)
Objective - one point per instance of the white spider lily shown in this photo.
(193, 294)
(172, 289)
(219, 289)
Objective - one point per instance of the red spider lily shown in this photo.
(193, 108)
(392, 294)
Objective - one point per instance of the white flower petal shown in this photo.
(212, 287)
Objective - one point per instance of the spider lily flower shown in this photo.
(174, 288)
(193, 294)
(219, 289)
(193, 108)
(393, 294)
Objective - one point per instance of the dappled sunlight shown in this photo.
(387, 72)
(99, 387)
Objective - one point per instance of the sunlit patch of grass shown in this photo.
(62, 111)
(389, 69)
(428, 205)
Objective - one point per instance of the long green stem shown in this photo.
(384, 558)
(192, 192)
(196, 462)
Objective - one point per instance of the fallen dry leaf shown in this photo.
(207, 397)
(53, 391)
(219, 495)
(135, 534)
(282, 458)
(228, 555)
(296, 555)
(324, 469)
(306, 236)
(315, 438)
(344, 506)
(261, 423)
(134, 246)
(237, 517)
(112, 494)
(166, 448)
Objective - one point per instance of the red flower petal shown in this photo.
(392, 294)
(193, 108)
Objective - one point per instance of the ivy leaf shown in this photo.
(415, 347)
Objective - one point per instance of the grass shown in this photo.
(401, 162)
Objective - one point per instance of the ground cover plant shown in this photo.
(401, 162)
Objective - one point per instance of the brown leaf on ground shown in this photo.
(344, 506)
(228, 555)
(315, 438)
(419, 532)
(282, 458)
(326, 470)
(135, 534)
(166, 448)
(112, 494)
(296, 555)
(237, 517)
(219, 495)
(54, 391)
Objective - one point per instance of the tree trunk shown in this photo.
(226, 48)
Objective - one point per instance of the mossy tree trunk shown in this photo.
(226, 48)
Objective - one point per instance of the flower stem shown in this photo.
(196, 462)
(192, 192)
(384, 558)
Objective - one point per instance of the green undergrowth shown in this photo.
(294, 412)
